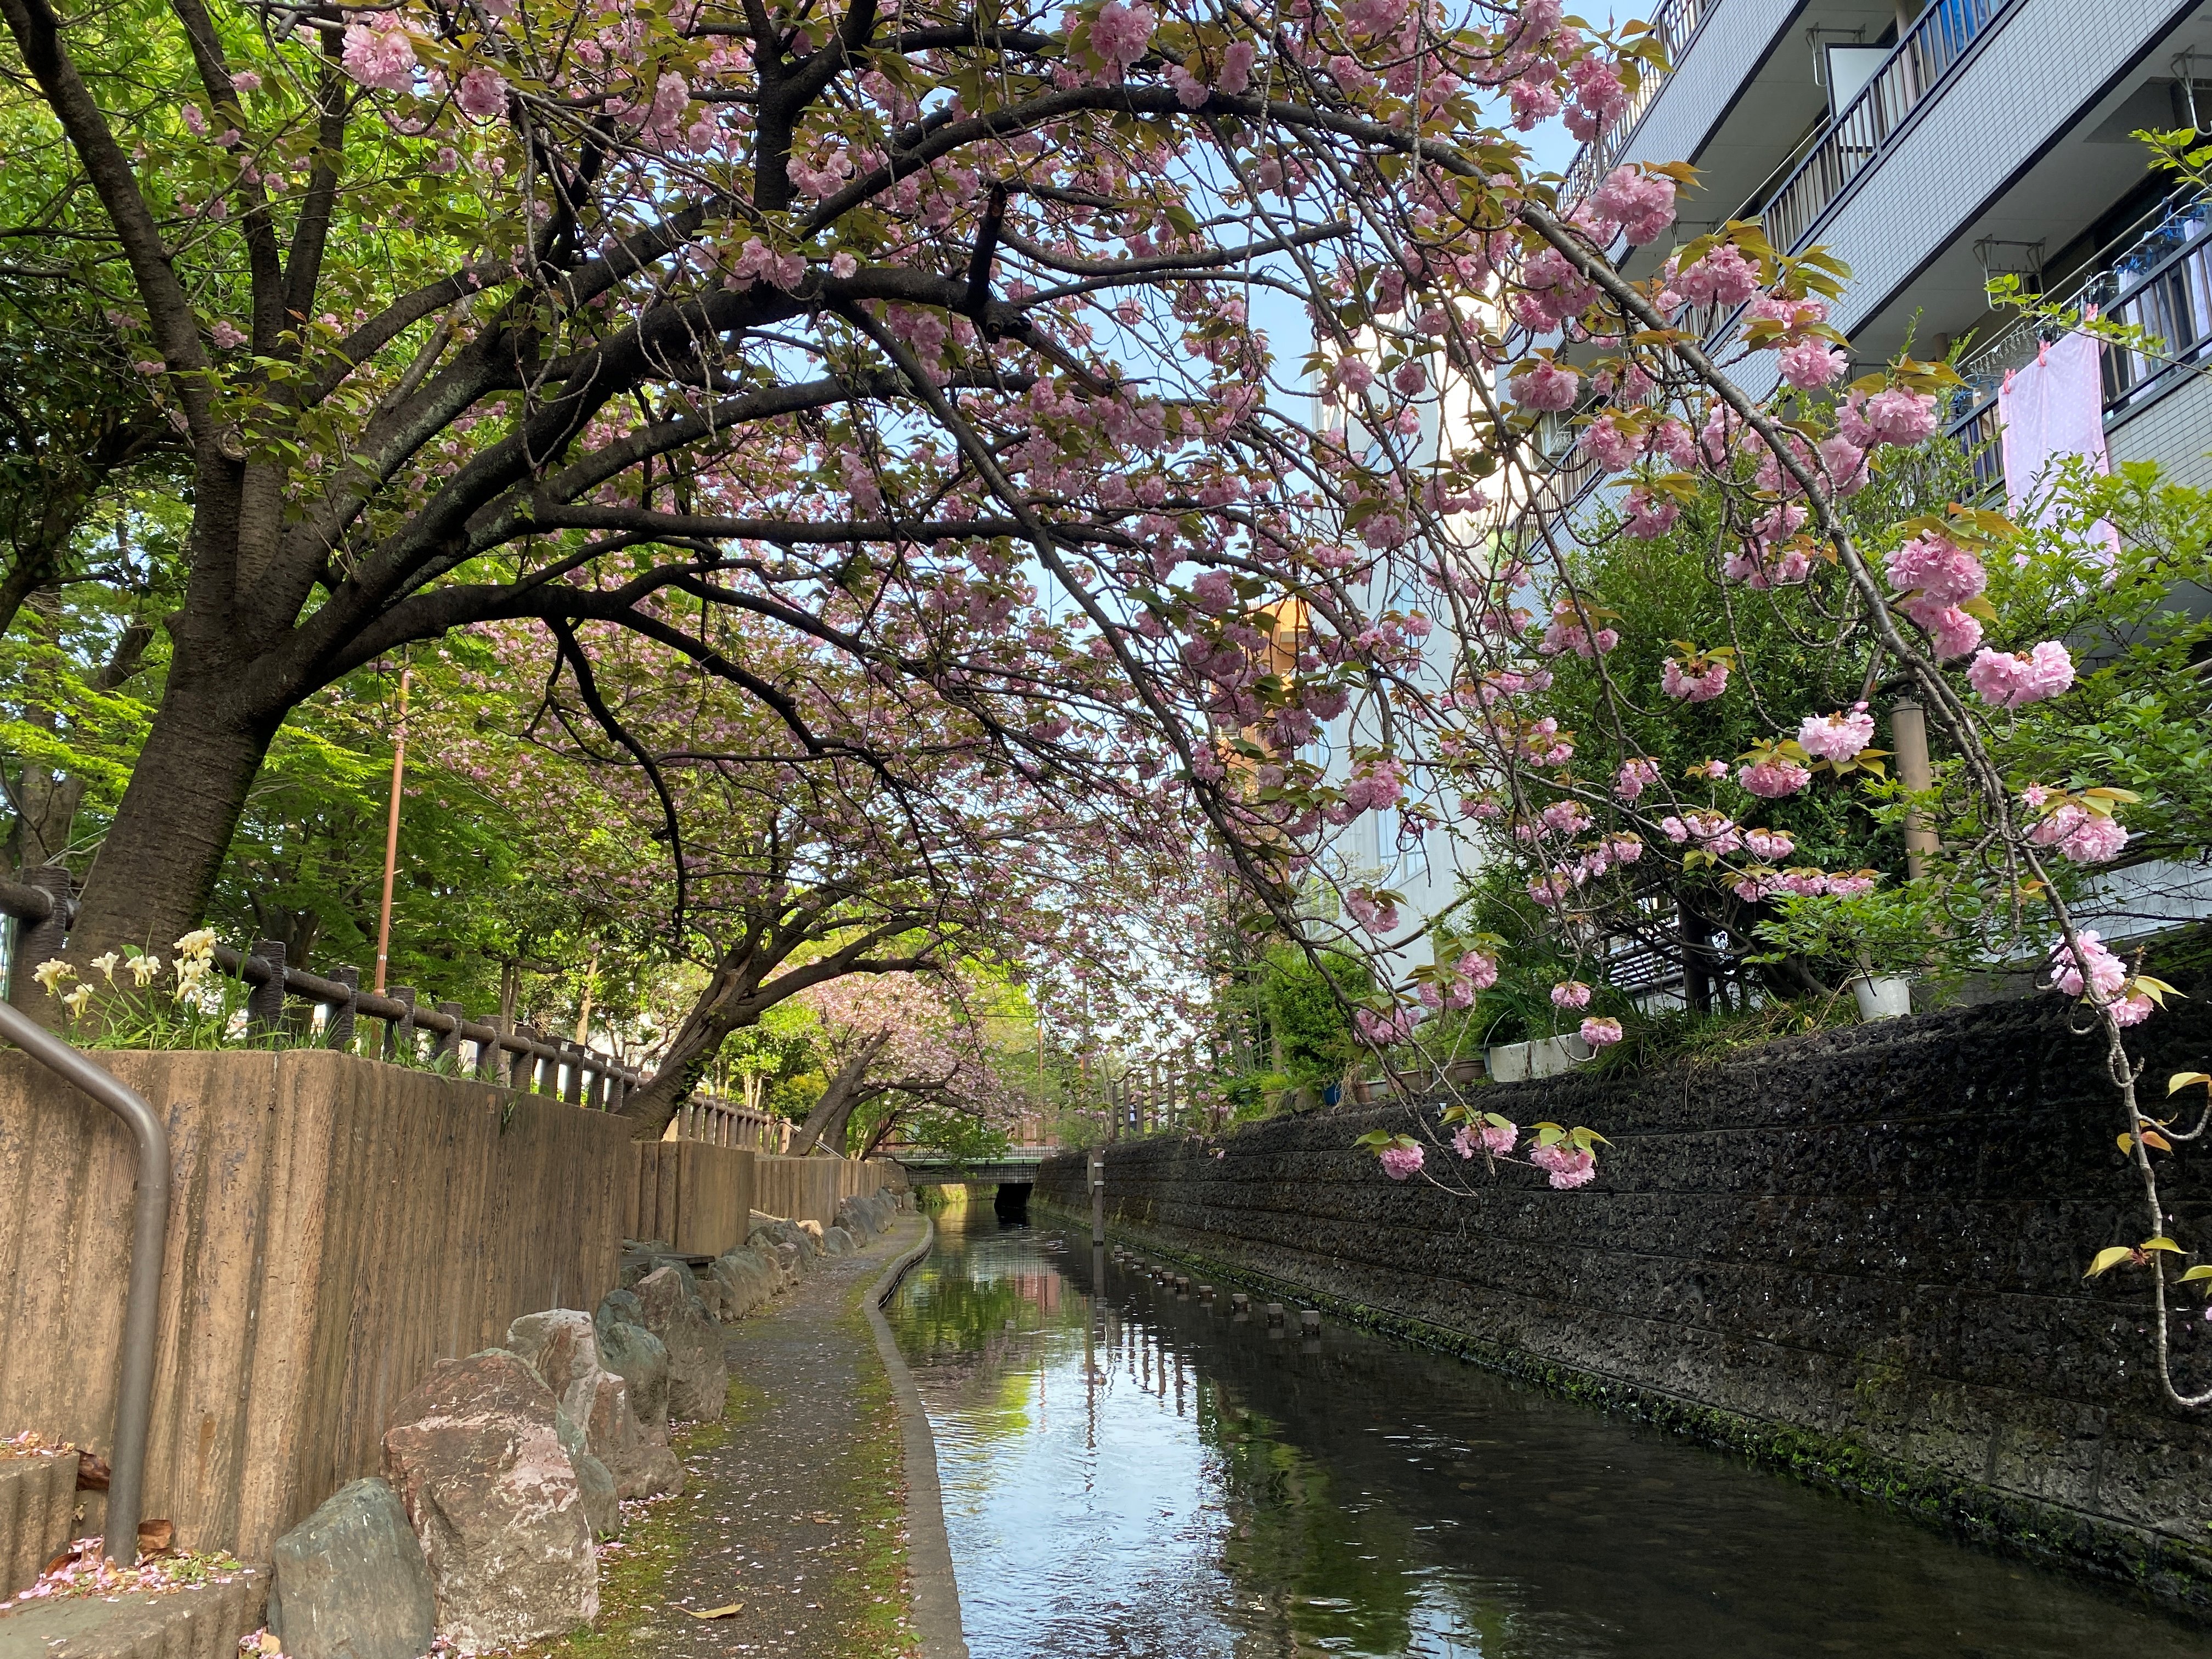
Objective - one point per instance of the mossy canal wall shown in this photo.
(1857, 1254)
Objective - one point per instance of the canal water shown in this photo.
(1132, 1474)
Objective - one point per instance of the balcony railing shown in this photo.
(2157, 277)
(1911, 74)
(1673, 23)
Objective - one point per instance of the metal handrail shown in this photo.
(141, 1308)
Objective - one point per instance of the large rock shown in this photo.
(698, 1372)
(861, 1217)
(790, 1260)
(747, 1277)
(837, 1242)
(349, 1581)
(564, 1346)
(810, 1233)
(475, 1455)
(639, 1357)
(595, 1482)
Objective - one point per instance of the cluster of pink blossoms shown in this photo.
(1496, 1139)
(1567, 1166)
(1641, 203)
(2080, 836)
(2107, 977)
(1694, 685)
(1571, 631)
(2007, 679)
(1601, 1032)
(1402, 1162)
(1634, 777)
(1837, 737)
(1774, 777)
(1571, 993)
(1937, 575)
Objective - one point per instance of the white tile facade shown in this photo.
(1725, 53)
(2001, 107)
(2176, 432)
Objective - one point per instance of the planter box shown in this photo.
(1883, 996)
(1518, 1062)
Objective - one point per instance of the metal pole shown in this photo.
(141, 1308)
(392, 836)
(1097, 1198)
(1908, 736)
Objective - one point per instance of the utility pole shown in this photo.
(392, 835)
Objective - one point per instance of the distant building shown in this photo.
(1931, 148)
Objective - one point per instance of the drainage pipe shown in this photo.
(141, 1311)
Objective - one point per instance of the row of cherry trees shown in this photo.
(897, 369)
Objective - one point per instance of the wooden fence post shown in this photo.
(399, 1034)
(264, 1003)
(524, 1075)
(37, 942)
(571, 1088)
(338, 1028)
(449, 1042)
(487, 1065)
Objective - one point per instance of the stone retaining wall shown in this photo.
(1859, 1254)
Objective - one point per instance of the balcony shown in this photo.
(1914, 71)
(1674, 22)
(2156, 275)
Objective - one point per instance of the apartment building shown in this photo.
(1933, 146)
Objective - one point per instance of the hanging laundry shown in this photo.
(2050, 411)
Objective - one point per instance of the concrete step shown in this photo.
(203, 1622)
(37, 1514)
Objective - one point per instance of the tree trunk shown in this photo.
(157, 868)
(721, 1009)
(825, 1124)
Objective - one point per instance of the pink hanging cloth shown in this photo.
(2051, 410)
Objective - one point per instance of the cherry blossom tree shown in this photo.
(895, 1045)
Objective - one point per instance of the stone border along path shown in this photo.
(814, 1505)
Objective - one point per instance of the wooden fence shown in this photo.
(695, 1197)
(336, 1227)
(810, 1189)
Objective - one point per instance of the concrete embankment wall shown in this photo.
(336, 1226)
(1858, 1255)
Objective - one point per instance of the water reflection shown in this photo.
(1130, 1472)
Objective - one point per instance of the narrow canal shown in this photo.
(1131, 1473)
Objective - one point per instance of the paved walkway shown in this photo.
(796, 1513)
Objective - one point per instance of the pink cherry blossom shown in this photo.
(1773, 778)
(1938, 568)
(2107, 972)
(1402, 1162)
(1694, 687)
(1811, 364)
(1723, 278)
(1837, 737)
(1478, 970)
(1650, 515)
(381, 57)
(1122, 34)
(1641, 204)
(1769, 844)
(481, 92)
(1601, 1032)
(1571, 993)
(2007, 679)
(1634, 777)
(1567, 1167)
(1546, 386)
